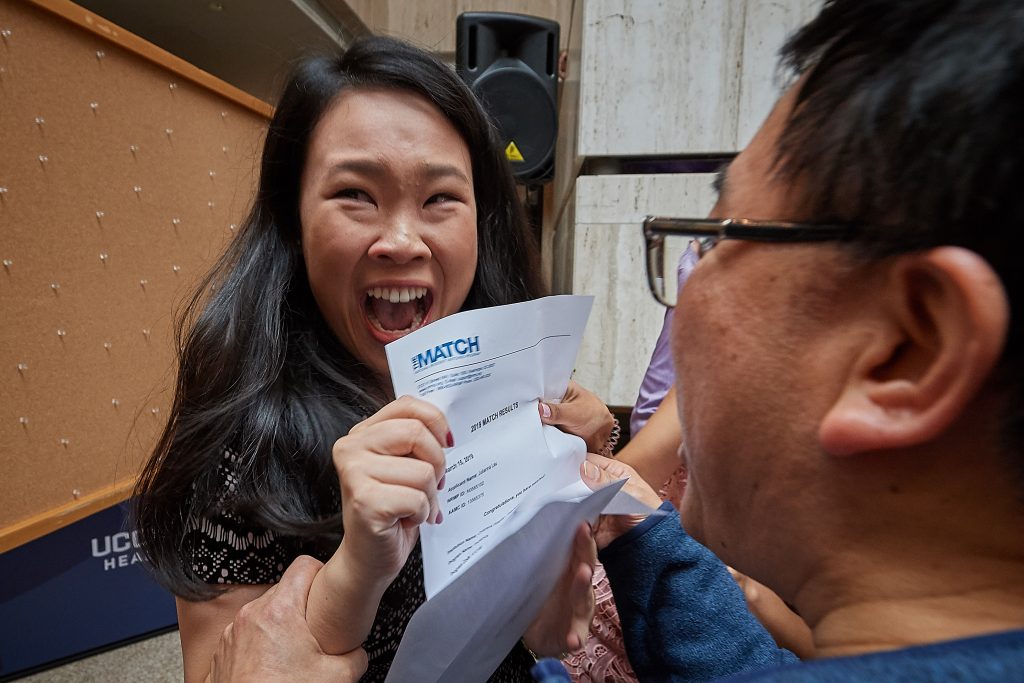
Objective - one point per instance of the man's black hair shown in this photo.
(911, 117)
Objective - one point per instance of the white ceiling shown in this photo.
(247, 43)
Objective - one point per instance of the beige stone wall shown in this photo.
(431, 23)
(647, 79)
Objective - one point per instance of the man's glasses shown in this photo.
(668, 238)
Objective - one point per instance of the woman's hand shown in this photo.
(581, 413)
(598, 471)
(390, 467)
(563, 623)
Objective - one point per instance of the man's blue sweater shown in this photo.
(685, 619)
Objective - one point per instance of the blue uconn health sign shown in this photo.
(455, 348)
(77, 590)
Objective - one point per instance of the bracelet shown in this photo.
(613, 439)
(537, 657)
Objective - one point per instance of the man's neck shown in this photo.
(899, 610)
(928, 548)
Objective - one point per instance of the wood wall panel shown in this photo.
(123, 171)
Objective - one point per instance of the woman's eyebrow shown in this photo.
(377, 169)
(369, 167)
(435, 171)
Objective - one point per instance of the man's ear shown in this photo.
(939, 328)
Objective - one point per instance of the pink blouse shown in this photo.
(603, 656)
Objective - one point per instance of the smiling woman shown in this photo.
(384, 203)
(388, 218)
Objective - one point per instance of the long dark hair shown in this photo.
(258, 368)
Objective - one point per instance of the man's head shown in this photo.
(847, 403)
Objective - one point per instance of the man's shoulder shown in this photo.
(983, 659)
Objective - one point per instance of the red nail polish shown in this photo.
(440, 516)
(450, 439)
(440, 484)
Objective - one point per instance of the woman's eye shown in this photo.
(441, 198)
(355, 194)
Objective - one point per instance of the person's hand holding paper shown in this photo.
(513, 496)
(582, 413)
(564, 621)
(486, 370)
(598, 472)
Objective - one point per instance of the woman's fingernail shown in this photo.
(440, 484)
(590, 471)
(440, 516)
(450, 439)
(545, 410)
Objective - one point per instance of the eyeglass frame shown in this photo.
(709, 231)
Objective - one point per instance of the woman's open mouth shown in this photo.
(394, 312)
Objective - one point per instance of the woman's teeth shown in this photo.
(398, 294)
(397, 309)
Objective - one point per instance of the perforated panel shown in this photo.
(120, 182)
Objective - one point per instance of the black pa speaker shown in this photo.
(511, 63)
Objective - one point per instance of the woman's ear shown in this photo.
(939, 326)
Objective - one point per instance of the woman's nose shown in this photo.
(400, 242)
